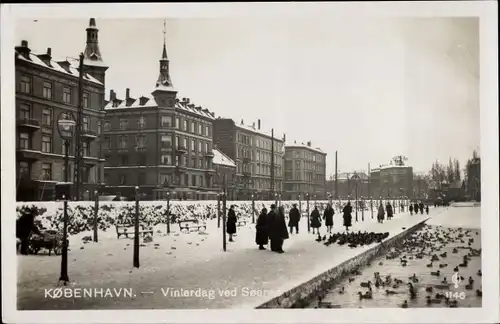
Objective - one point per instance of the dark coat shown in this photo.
(25, 225)
(277, 226)
(388, 209)
(294, 217)
(415, 207)
(421, 207)
(410, 208)
(328, 216)
(262, 234)
(381, 212)
(315, 219)
(231, 222)
(347, 215)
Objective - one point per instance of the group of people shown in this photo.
(418, 206)
(328, 218)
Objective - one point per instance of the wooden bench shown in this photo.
(129, 229)
(188, 225)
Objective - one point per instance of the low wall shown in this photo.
(300, 296)
(466, 204)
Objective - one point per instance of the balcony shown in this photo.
(89, 134)
(26, 154)
(181, 150)
(209, 155)
(28, 124)
(210, 171)
(180, 169)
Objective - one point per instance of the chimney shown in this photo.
(49, 52)
(92, 22)
(205, 110)
(284, 137)
(294, 142)
(112, 95)
(258, 124)
(24, 50)
(127, 93)
(191, 106)
(241, 121)
(143, 100)
(197, 108)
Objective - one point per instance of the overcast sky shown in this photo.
(371, 89)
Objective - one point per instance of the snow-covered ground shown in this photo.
(189, 261)
(465, 217)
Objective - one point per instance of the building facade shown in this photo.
(391, 181)
(305, 171)
(46, 90)
(347, 183)
(159, 143)
(255, 153)
(473, 184)
(225, 178)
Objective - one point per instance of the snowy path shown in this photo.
(197, 262)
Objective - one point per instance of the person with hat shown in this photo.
(315, 220)
(328, 217)
(294, 219)
(262, 234)
(277, 228)
(347, 216)
(231, 223)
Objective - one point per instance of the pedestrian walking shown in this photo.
(328, 217)
(277, 228)
(294, 219)
(421, 205)
(262, 234)
(411, 209)
(315, 220)
(415, 207)
(389, 211)
(381, 213)
(347, 216)
(427, 209)
(231, 223)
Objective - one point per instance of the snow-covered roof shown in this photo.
(99, 63)
(162, 87)
(151, 103)
(383, 167)
(254, 129)
(315, 149)
(73, 71)
(222, 159)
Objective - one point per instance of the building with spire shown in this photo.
(45, 89)
(161, 143)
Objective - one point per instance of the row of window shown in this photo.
(46, 172)
(166, 179)
(26, 143)
(194, 127)
(259, 155)
(166, 143)
(258, 169)
(259, 143)
(26, 86)
(26, 112)
(166, 159)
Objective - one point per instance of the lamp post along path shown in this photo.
(136, 228)
(96, 214)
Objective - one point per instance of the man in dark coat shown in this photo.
(277, 228)
(421, 205)
(328, 217)
(25, 225)
(294, 218)
(389, 211)
(262, 235)
(231, 223)
(411, 209)
(415, 207)
(347, 216)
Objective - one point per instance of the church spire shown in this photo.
(92, 54)
(164, 80)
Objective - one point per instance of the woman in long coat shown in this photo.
(262, 234)
(381, 213)
(347, 216)
(294, 219)
(388, 208)
(328, 217)
(277, 230)
(411, 209)
(315, 219)
(231, 223)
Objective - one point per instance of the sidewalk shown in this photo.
(253, 276)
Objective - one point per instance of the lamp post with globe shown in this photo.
(66, 127)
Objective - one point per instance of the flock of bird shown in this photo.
(353, 239)
(428, 243)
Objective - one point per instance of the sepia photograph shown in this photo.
(254, 161)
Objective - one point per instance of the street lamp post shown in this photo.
(96, 213)
(65, 125)
(308, 220)
(136, 228)
(253, 209)
(223, 195)
(371, 205)
(362, 209)
(276, 199)
(300, 206)
(168, 212)
(218, 210)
